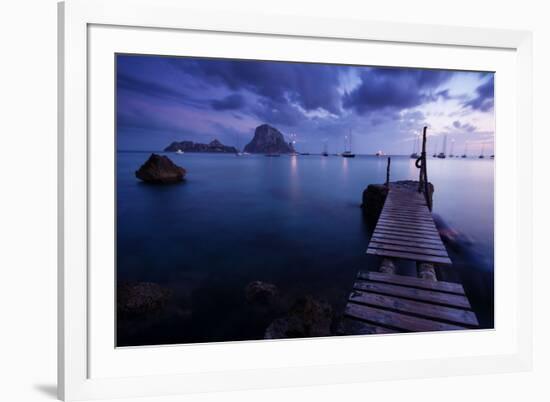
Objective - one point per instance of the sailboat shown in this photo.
(451, 155)
(464, 155)
(240, 153)
(442, 155)
(379, 154)
(179, 152)
(482, 149)
(325, 149)
(414, 155)
(435, 148)
(348, 154)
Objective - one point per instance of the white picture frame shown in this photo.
(76, 378)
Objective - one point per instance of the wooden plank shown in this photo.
(409, 256)
(408, 223)
(407, 229)
(412, 243)
(350, 326)
(397, 320)
(407, 215)
(413, 249)
(406, 235)
(430, 296)
(432, 311)
(412, 281)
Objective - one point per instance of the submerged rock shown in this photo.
(159, 169)
(268, 140)
(141, 297)
(308, 317)
(261, 293)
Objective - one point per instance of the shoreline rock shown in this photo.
(159, 169)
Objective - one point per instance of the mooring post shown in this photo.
(388, 172)
(423, 177)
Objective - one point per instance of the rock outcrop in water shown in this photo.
(141, 297)
(261, 293)
(214, 146)
(159, 169)
(268, 140)
(374, 197)
(308, 317)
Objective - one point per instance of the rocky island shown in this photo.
(214, 146)
(268, 140)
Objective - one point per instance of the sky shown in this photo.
(164, 99)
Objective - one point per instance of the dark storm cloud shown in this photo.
(397, 89)
(464, 126)
(147, 88)
(230, 102)
(484, 100)
(311, 86)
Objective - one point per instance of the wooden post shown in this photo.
(423, 185)
(425, 168)
(388, 172)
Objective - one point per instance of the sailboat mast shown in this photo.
(445, 145)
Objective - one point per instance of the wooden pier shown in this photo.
(406, 229)
(382, 302)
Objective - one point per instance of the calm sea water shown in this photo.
(295, 222)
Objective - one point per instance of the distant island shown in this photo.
(189, 146)
(268, 140)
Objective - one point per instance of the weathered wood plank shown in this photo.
(350, 326)
(407, 215)
(411, 243)
(411, 236)
(408, 223)
(431, 296)
(408, 227)
(397, 320)
(397, 236)
(431, 311)
(410, 230)
(408, 249)
(412, 281)
(409, 256)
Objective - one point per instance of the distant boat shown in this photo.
(305, 153)
(452, 155)
(273, 155)
(325, 149)
(482, 148)
(348, 153)
(492, 156)
(442, 155)
(464, 155)
(416, 144)
(379, 154)
(179, 152)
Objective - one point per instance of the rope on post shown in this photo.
(420, 163)
(388, 172)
